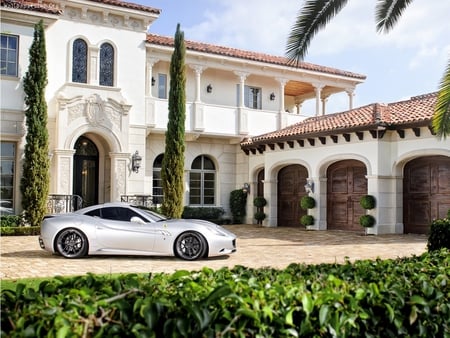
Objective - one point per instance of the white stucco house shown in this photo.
(108, 81)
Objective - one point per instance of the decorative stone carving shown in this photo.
(98, 112)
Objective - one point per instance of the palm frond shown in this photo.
(441, 117)
(313, 16)
(388, 12)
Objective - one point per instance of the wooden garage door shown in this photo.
(346, 185)
(291, 188)
(426, 192)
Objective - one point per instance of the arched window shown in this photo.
(202, 181)
(157, 181)
(79, 61)
(106, 65)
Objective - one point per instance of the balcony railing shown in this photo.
(59, 204)
(142, 200)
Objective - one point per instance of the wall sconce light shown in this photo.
(209, 88)
(272, 96)
(136, 162)
(246, 188)
(309, 186)
(153, 81)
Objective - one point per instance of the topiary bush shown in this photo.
(260, 216)
(367, 221)
(367, 202)
(259, 202)
(307, 202)
(307, 220)
(439, 236)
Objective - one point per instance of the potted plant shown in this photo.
(307, 202)
(307, 220)
(367, 202)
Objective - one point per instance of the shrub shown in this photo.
(10, 221)
(367, 202)
(302, 300)
(259, 202)
(367, 221)
(20, 231)
(307, 202)
(439, 236)
(307, 220)
(238, 200)
(260, 216)
(205, 213)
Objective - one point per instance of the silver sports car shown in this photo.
(124, 229)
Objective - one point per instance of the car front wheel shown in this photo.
(71, 243)
(190, 246)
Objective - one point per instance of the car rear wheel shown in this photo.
(71, 243)
(190, 245)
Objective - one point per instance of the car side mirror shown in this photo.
(136, 219)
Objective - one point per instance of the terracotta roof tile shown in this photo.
(32, 5)
(129, 5)
(248, 55)
(52, 8)
(416, 111)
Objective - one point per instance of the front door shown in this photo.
(85, 180)
(291, 188)
(426, 192)
(347, 183)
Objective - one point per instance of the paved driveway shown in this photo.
(257, 247)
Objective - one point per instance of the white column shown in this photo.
(148, 82)
(350, 93)
(94, 67)
(298, 105)
(63, 162)
(242, 112)
(242, 76)
(318, 89)
(198, 72)
(282, 121)
(119, 164)
(324, 104)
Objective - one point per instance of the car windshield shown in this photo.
(151, 214)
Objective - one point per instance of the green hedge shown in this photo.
(213, 214)
(405, 297)
(439, 236)
(20, 231)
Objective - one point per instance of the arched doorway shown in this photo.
(291, 188)
(426, 192)
(85, 171)
(346, 184)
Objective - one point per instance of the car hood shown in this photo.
(200, 222)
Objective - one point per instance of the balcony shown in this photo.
(220, 120)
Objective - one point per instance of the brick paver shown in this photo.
(22, 257)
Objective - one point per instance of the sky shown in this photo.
(407, 61)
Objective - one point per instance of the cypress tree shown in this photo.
(34, 184)
(172, 169)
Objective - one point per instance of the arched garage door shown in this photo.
(426, 192)
(347, 183)
(291, 188)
